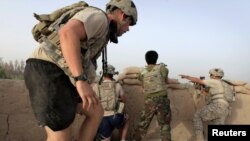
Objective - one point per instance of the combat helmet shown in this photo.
(216, 72)
(111, 70)
(127, 6)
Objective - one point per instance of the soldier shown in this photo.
(111, 96)
(217, 108)
(59, 71)
(154, 78)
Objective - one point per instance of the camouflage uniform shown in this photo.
(216, 110)
(218, 101)
(158, 104)
(216, 113)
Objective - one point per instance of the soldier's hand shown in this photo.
(88, 96)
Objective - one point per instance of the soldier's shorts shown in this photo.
(53, 97)
(109, 123)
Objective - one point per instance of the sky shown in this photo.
(190, 36)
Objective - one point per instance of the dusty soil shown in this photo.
(17, 122)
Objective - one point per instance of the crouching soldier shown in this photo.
(111, 96)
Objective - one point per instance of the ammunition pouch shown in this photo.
(120, 107)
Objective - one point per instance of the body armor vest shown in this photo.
(108, 96)
(153, 80)
(228, 95)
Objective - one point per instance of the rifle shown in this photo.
(201, 87)
(104, 64)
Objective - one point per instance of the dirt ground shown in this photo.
(17, 122)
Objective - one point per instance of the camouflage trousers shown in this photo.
(214, 113)
(160, 107)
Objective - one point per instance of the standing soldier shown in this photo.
(217, 108)
(59, 71)
(154, 78)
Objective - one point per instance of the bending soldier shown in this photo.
(59, 71)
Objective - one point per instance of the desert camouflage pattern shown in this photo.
(111, 69)
(45, 20)
(152, 80)
(159, 106)
(107, 95)
(216, 72)
(215, 113)
(127, 6)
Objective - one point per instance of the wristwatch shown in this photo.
(81, 77)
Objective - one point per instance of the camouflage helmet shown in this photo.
(127, 6)
(216, 72)
(111, 70)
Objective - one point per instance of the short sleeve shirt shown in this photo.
(95, 23)
(215, 86)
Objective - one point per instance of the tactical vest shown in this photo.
(107, 95)
(228, 95)
(153, 80)
(90, 50)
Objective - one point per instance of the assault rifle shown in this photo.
(104, 64)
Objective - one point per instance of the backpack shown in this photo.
(108, 96)
(43, 27)
(229, 94)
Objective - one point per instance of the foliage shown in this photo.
(10, 70)
(2, 73)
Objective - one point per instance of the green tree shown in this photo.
(11, 70)
(2, 73)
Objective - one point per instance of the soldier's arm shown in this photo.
(164, 72)
(193, 79)
(71, 34)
